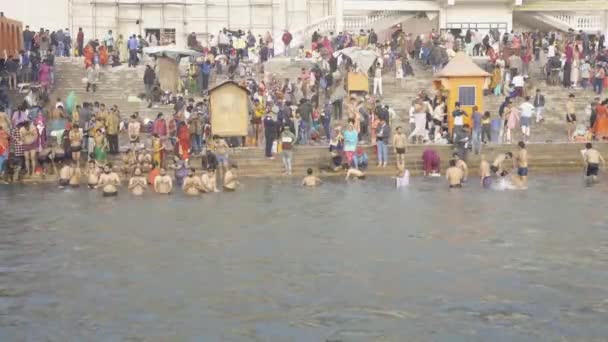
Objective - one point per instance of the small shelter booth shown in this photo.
(229, 110)
(462, 81)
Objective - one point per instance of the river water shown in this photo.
(275, 262)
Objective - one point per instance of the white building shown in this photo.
(175, 19)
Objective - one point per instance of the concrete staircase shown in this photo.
(399, 94)
(114, 87)
(543, 158)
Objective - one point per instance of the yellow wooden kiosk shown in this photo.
(357, 82)
(229, 110)
(462, 81)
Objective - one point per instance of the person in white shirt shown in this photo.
(526, 110)
(378, 80)
(551, 51)
(518, 83)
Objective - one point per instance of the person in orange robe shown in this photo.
(600, 127)
(89, 53)
(103, 55)
(183, 134)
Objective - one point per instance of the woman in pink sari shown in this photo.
(40, 125)
(44, 75)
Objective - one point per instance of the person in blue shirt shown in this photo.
(133, 45)
(203, 75)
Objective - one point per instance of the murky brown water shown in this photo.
(274, 262)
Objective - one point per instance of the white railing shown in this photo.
(328, 24)
(589, 22)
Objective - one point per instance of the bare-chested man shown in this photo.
(92, 174)
(485, 173)
(592, 159)
(109, 181)
(192, 184)
(29, 136)
(209, 181)
(310, 180)
(76, 175)
(138, 183)
(463, 166)
(65, 174)
(355, 174)
(231, 178)
(75, 138)
(454, 175)
(521, 161)
(163, 184)
(399, 144)
(497, 166)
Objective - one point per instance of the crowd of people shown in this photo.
(312, 108)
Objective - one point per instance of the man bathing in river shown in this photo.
(192, 184)
(521, 161)
(310, 180)
(76, 175)
(497, 166)
(355, 174)
(592, 159)
(462, 166)
(485, 173)
(109, 181)
(454, 175)
(92, 174)
(138, 183)
(231, 178)
(163, 184)
(65, 174)
(209, 181)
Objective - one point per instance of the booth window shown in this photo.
(466, 96)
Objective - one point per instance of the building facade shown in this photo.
(173, 20)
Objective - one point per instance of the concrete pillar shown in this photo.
(443, 18)
(339, 4)
(605, 22)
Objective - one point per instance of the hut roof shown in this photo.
(461, 66)
(226, 83)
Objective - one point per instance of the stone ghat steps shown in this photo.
(114, 87)
(544, 158)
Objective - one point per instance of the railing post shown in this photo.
(339, 15)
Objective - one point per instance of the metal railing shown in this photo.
(585, 22)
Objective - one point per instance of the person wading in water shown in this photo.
(192, 184)
(163, 184)
(109, 181)
(231, 179)
(310, 180)
(138, 183)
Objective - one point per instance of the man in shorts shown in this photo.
(399, 144)
(521, 162)
(592, 159)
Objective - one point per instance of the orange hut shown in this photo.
(464, 82)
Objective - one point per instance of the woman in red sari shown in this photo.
(600, 127)
(183, 137)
